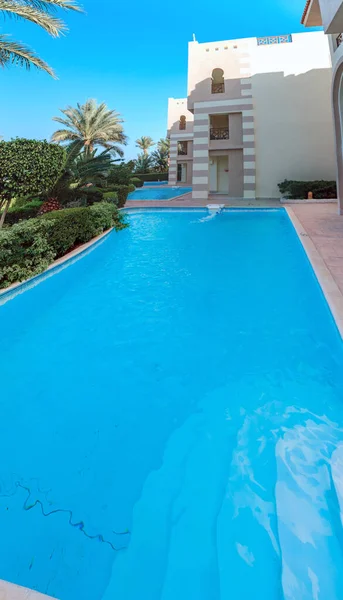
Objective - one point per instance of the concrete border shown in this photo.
(10, 591)
(331, 291)
(58, 265)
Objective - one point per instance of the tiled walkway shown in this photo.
(325, 228)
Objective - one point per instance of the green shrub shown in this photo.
(25, 250)
(111, 197)
(152, 176)
(294, 190)
(27, 211)
(74, 226)
(29, 247)
(122, 193)
(132, 187)
(137, 182)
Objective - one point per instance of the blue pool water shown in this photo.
(158, 193)
(150, 183)
(171, 419)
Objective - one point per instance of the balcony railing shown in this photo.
(218, 88)
(182, 151)
(219, 133)
(339, 39)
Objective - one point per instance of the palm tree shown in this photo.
(90, 125)
(80, 174)
(143, 164)
(160, 158)
(161, 155)
(144, 143)
(39, 12)
(163, 145)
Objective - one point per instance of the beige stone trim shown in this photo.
(202, 179)
(197, 195)
(49, 272)
(176, 136)
(332, 293)
(249, 164)
(249, 194)
(9, 591)
(248, 151)
(246, 92)
(200, 153)
(232, 102)
(248, 137)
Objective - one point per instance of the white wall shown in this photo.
(291, 85)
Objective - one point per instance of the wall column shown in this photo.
(172, 177)
(200, 156)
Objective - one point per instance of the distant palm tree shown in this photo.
(90, 125)
(143, 164)
(39, 12)
(163, 145)
(144, 143)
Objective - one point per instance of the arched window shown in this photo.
(182, 122)
(218, 85)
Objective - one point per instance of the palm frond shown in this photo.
(17, 54)
(46, 21)
(50, 5)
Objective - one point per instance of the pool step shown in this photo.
(10, 591)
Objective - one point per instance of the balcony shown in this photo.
(218, 88)
(219, 133)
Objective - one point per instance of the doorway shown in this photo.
(219, 174)
(182, 172)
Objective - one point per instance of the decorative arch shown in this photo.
(337, 104)
(217, 81)
(182, 122)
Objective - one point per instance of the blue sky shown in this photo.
(118, 46)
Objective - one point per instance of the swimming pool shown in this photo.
(158, 193)
(171, 418)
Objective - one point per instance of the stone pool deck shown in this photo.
(9, 591)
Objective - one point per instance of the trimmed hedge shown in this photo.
(28, 248)
(27, 211)
(152, 176)
(137, 182)
(294, 190)
(122, 192)
(25, 250)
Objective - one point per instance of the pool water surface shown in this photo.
(171, 418)
(166, 193)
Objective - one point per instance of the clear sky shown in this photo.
(120, 47)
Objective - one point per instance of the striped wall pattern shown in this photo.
(174, 138)
(249, 156)
(172, 177)
(200, 153)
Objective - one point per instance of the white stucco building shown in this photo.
(258, 111)
(329, 14)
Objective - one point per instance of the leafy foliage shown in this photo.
(143, 164)
(294, 190)
(152, 176)
(25, 250)
(90, 125)
(28, 248)
(26, 211)
(81, 174)
(39, 12)
(137, 182)
(28, 167)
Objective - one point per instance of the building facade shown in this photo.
(329, 14)
(258, 111)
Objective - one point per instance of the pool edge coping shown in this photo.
(13, 290)
(331, 291)
(12, 591)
